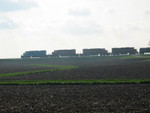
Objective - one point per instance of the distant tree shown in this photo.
(149, 43)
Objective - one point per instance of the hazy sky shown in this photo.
(72, 24)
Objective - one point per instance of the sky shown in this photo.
(72, 24)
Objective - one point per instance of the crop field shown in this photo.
(119, 84)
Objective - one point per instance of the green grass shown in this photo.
(147, 60)
(61, 82)
(56, 68)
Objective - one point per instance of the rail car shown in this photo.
(95, 51)
(144, 50)
(64, 53)
(124, 51)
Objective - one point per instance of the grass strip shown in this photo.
(57, 68)
(63, 82)
(147, 60)
(24, 73)
(133, 56)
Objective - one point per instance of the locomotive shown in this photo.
(32, 54)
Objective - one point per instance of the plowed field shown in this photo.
(88, 98)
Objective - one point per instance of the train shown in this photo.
(85, 52)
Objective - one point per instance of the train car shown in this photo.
(95, 51)
(33, 54)
(124, 51)
(63, 53)
(144, 50)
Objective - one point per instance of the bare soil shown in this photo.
(129, 98)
